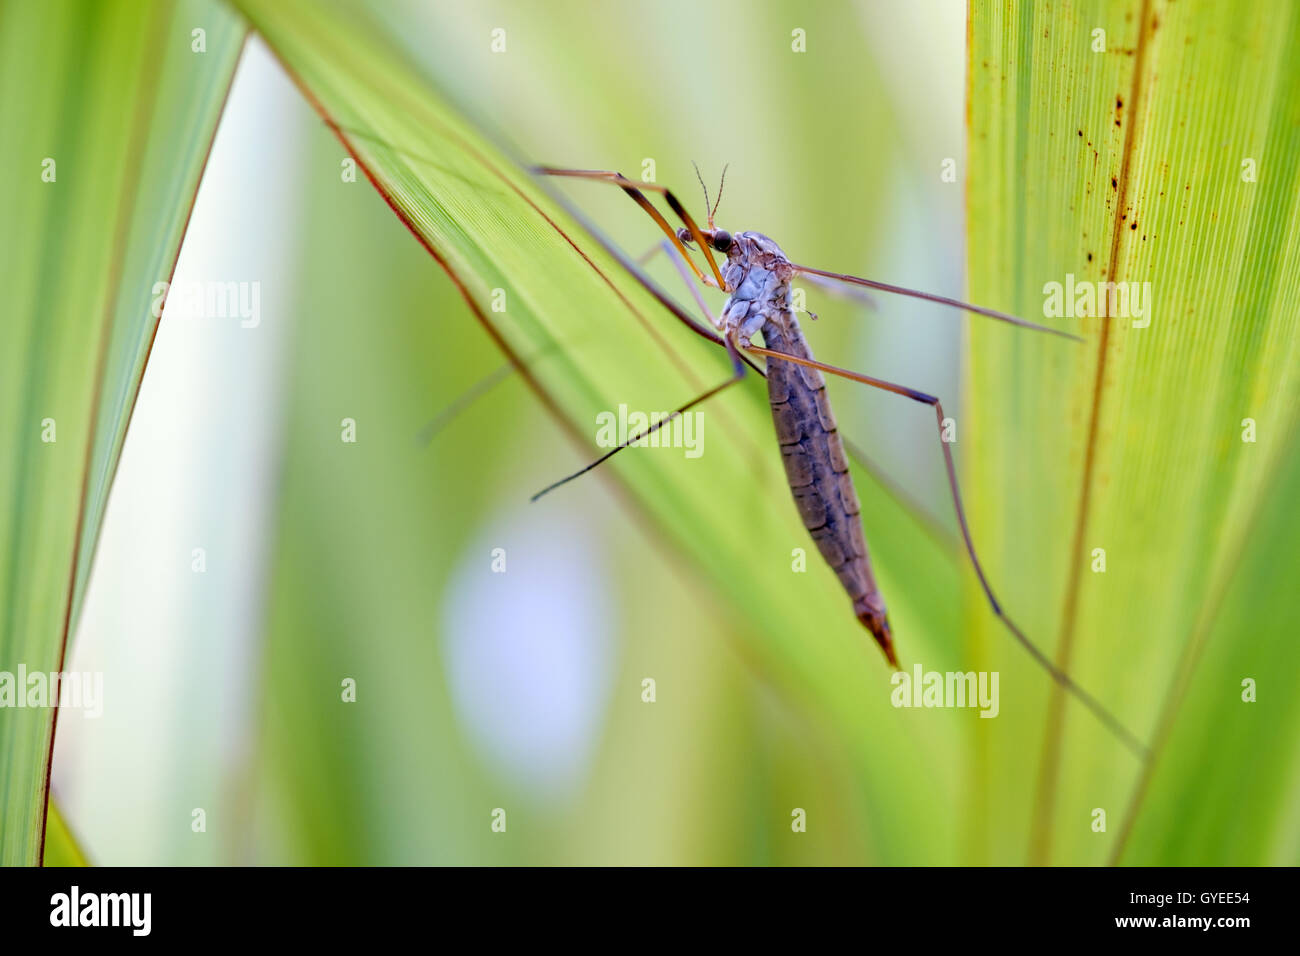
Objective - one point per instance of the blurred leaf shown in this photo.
(107, 116)
(1132, 165)
(593, 338)
(61, 847)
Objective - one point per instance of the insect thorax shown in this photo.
(759, 275)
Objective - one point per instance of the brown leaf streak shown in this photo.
(1050, 765)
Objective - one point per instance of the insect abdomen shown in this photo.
(818, 474)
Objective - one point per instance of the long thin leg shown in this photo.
(738, 372)
(667, 248)
(1085, 698)
(932, 297)
(634, 190)
(842, 290)
(464, 401)
(484, 385)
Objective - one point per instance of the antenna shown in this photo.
(706, 192)
(722, 182)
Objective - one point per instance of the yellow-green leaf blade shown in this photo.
(1149, 143)
(61, 847)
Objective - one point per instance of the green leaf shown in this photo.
(1170, 157)
(358, 595)
(107, 114)
(61, 847)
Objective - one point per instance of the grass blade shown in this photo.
(61, 847)
(107, 112)
(1158, 143)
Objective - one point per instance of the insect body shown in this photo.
(759, 275)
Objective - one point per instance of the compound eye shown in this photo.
(685, 235)
(721, 240)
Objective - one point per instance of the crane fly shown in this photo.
(757, 275)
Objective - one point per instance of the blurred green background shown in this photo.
(523, 691)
